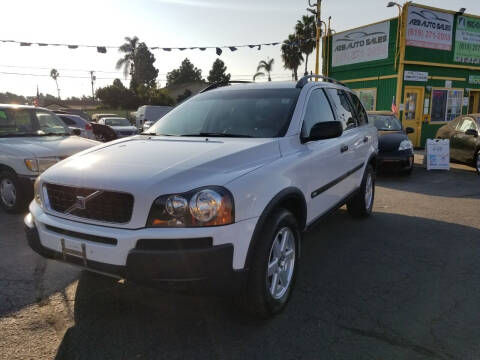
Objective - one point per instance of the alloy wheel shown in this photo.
(368, 191)
(281, 263)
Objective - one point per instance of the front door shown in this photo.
(413, 112)
(474, 102)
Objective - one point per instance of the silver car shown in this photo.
(121, 126)
(77, 122)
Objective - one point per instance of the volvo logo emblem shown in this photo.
(81, 202)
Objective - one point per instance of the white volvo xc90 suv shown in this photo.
(218, 192)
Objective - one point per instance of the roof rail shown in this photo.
(304, 80)
(223, 83)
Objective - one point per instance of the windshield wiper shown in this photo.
(217, 134)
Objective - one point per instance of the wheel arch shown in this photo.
(4, 167)
(291, 199)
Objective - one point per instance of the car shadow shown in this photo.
(452, 183)
(383, 286)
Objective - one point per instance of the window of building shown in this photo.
(368, 97)
(446, 104)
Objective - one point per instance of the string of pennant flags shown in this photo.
(103, 49)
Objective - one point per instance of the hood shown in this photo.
(389, 141)
(44, 146)
(149, 167)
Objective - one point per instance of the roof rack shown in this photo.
(223, 83)
(304, 80)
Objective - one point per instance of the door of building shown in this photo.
(474, 102)
(413, 112)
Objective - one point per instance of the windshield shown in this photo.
(385, 122)
(235, 113)
(30, 122)
(117, 122)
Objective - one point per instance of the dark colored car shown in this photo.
(464, 140)
(395, 150)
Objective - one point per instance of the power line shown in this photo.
(49, 68)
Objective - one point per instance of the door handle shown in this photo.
(365, 139)
(343, 148)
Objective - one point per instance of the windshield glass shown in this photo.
(385, 122)
(30, 122)
(236, 113)
(117, 122)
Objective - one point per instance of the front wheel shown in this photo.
(274, 266)
(11, 197)
(361, 204)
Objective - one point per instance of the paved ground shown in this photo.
(403, 284)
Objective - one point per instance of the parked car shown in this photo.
(77, 122)
(121, 126)
(395, 150)
(96, 117)
(150, 114)
(103, 133)
(31, 140)
(464, 140)
(219, 196)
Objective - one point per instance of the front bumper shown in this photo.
(206, 260)
(397, 161)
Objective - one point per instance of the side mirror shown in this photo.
(76, 132)
(325, 130)
(472, 132)
(409, 130)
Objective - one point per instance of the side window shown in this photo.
(318, 110)
(359, 110)
(67, 120)
(343, 108)
(466, 124)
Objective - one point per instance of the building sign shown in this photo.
(429, 29)
(415, 76)
(360, 45)
(474, 79)
(467, 40)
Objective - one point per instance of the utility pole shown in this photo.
(93, 78)
(318, 23)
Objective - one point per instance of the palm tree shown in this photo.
(54, 74)
(128, 48)
(291, 55)
(306, 32)
(257, 75)
(267, 66)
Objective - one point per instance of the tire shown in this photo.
(476, 162)
(262, 300)
(12, 198)
(361, 205)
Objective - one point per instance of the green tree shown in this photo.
(306, 32)
(127, 61)
(218, 72)
(118, 96)
(54, 74)
(154, 96)
(145, 73)
(182, 97)
(266, 66)
(291, 55)
(186, 73)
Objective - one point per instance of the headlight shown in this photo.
(40, 164)
(210, 206)
(405, 145)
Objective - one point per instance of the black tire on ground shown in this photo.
(258, 300)
(476, 162)
(20, 203)
(357, 206)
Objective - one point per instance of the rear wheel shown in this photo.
(274, 266)
(476, 162)
(362, 203)
(11, 197)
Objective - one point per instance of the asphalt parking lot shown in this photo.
(403, 284)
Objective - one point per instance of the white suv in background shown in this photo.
(31, 140)
(218, 192)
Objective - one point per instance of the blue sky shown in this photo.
(166, 23)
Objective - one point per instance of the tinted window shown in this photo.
(244, 112)
(343, 108)
(67, 121)
(318, 110)
(359, 110)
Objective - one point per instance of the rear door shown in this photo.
(352, 145)
(323, 163)
(465, 145)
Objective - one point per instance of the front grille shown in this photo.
(105, 205)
